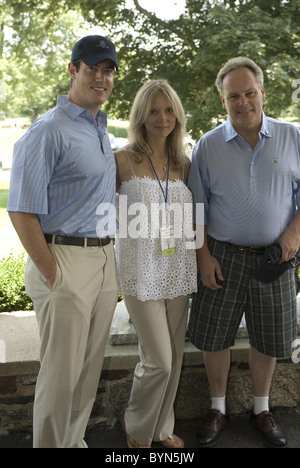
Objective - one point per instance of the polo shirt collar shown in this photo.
(71, 109)
(231, 133)
(74, 111)
(265, 127)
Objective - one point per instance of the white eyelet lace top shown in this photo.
(143, 271)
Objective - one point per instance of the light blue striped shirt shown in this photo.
(63, 168)
(247, 195)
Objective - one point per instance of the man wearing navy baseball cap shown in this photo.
(68, 174)
(94, 65)
(94, 49)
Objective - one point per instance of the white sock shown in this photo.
(219, 404)
(261, 404)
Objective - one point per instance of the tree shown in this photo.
(190, 50)
(187, 51)
(33, 63)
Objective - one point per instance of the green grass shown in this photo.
(4, 185)
(3, 198)
(3, 203)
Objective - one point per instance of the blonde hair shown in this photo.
(236, 64)
(140, 112)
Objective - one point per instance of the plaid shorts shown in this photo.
(269, 308)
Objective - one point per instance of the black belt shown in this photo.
(242, 248)
(77, 241)
(252, 250)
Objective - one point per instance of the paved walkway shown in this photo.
(4, 175)
(239, 434)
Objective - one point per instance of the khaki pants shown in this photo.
(74, 321)
(161, 329)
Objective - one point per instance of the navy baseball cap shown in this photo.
(94, 49)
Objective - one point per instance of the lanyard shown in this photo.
(167, 183)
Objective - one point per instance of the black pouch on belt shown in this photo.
(270, 269)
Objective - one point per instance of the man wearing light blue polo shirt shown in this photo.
(247, 173)
(63, 173)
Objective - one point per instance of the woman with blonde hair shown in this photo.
(156, 259)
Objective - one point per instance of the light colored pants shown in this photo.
(74, 321)
(161, 329)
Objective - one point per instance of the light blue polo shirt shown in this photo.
(247, 195)
(63, 169)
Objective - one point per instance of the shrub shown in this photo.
(117, 131)
(12, 284)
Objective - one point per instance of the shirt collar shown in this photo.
(74, 111)
(265, 127)
(71, 109)
(231, 133)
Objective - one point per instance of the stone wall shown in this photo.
(193, 397)
(18, 376)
